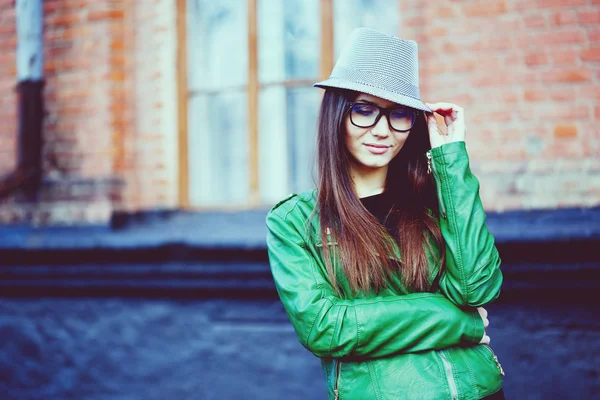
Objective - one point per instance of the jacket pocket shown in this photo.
(494, 357)
(476, 371)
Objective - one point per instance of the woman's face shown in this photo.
(376, 146)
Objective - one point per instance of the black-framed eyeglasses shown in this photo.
(366, 115)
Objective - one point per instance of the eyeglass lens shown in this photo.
(365, 115)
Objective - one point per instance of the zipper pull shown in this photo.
(429, 162)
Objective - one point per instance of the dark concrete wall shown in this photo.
(245, 349)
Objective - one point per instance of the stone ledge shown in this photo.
(563, 234)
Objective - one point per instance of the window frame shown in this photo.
(252, 89)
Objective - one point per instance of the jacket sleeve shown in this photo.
(369, 327)
(472, 276)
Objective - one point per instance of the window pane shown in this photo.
(273, 139)
(218, 149)
(303, 104)
(288, 39)
(217, 44)
(348, 15)
(287, 140)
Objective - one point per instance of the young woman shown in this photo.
(384, 268)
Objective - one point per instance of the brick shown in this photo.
(589, 92)
(564, 94)
(487, 9)
(497, 116)
(562, 112)
(492, 80)
(594, 35)
(436, 32)
(513, 60)
(534, 95)
(564, 56)
(567, 75)
(510, 97)
(418, 21)
(565, 36)
(535, 21)
(463, 64)
(444, 12)
(105, 15)
(62, 21)
(535, 59)
(589, 17)
(561, 3)
(523, 6)
(565, 131)
(7, 28)
(563, 18)
(592, 54)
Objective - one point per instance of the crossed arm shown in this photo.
(371, 327)
(381, 326)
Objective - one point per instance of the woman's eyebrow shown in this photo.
(395, 106)
(366, 102)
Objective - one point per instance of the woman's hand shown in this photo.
(454, 117)
(483, 314)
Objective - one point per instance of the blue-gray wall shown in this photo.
(245, 349)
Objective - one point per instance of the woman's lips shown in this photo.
(377, 148)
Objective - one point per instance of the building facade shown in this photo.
(202, 105)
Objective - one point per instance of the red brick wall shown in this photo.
(84, 95)
(152, 175)
(8, 98)
(107, 134)
(528, 75)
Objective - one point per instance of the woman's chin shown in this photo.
(368, 162)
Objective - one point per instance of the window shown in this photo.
(252, 110)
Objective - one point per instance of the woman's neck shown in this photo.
(368, 181)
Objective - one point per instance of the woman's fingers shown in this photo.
(454, 119)
(449, 111)
(483, 314)
(443, 107)
(485, 340)
(432, 123)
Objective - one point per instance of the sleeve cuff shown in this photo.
(476, 331)
(449, 148)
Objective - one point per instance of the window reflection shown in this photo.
(217, 44)
(218, 149)
(288, 39)
(289, 49)
(383, 15)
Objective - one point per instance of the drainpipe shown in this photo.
(28, 173)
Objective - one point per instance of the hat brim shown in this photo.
(374, 91)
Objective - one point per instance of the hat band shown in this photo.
(380, 81)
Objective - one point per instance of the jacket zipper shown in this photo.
(495, 359)
(430, 168)
(451, 381)
(337, 379)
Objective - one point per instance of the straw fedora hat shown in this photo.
(378, 64)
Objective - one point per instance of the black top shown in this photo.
(379, 205)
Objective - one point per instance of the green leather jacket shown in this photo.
(396, 344)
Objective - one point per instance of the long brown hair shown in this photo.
(360, 238)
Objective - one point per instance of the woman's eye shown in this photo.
(401, 113)
(364, 110)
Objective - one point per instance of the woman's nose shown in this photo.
(381, 128)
